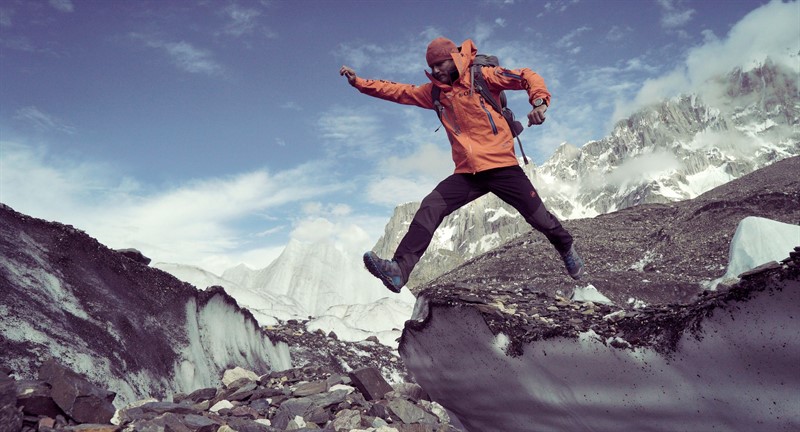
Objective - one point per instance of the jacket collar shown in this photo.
(463, 58)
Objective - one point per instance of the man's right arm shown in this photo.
(406, 94)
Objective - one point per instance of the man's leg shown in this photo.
(514, 187)
(451, 194)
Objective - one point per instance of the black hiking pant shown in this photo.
(509, 183)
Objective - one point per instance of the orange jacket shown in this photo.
(479, 136)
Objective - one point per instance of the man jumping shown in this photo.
(482, 147)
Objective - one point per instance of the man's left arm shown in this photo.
(522, 79)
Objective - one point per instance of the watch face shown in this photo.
(538, 102)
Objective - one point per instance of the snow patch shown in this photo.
(648, 257)
(589, 293)
(758, 241)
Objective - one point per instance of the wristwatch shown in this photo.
(538, 102)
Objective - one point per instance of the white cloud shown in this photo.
(184, 55)
(63, 5)
(316, 208)
(403, 58)
(202, 222)
(292, 105)
(351, 133)
(404, 182)
(428, 160)
(568, 41)
(192, 59)
(482, 32)
(617, 33)
(557, 6)
(673, 16)
(241, 20)
(43, 121)
(20, 43)
(393, 191)
(648, 165)
(769, 31)
(337, 224)
(5, 17)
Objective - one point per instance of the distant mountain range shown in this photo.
(668, 152)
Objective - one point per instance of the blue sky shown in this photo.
(212, 132)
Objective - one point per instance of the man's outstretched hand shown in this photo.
(536, 116)
(348, 73)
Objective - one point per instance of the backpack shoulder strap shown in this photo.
(479, 83)
(436, 93)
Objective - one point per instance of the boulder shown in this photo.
(202, 395)
(35, 398)
(410, 391)
(311, 388)
(232, 375)
(77, 397)
(370, 383)
(410, 413)
(10, 414)
(135, 255)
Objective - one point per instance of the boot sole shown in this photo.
(372, 267)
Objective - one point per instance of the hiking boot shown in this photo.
(387, 271)
(574, 263)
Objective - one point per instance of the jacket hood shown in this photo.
(463, 58)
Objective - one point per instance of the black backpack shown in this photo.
(479, 83)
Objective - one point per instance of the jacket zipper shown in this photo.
(456, 129)
(489, 116)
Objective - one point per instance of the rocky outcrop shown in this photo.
(137, 330)
(662, 348)
(135, 255)
(308, 398)
(716, 362)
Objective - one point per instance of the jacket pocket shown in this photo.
(444, 117)
(489, 116)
